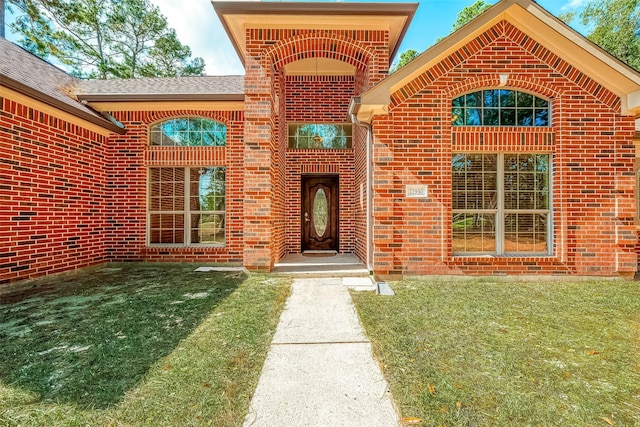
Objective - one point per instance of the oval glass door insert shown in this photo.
(320, 212)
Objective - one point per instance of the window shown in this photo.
(189, 132)
(187, 206)
(320, 136)
(501, 204)
(499, 107)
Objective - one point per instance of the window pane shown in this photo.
(207, 189)
(541, 118)
(524, 99)
(188, 132)
(166, 189)
(525, 117)
(491, 98)
(166, 228)
(208, 228)
(507, 117)
(539, 102)
(472, 117)
(525, 233)
(474, 99)
(507, 98)
(491, 117)
(473, 232)
(457, 116)
(499, 107)
(526, 181)
(320, 136)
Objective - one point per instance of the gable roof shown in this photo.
(25, 73)
(238, 16)
(537, 23)
(195, 88)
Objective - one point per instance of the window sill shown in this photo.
(168, 246)
(305, 150)
(505, 256)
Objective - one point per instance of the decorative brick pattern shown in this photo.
(589, 141)
(272, 174)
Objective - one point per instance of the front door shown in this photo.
(320, 195)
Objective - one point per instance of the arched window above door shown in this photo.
(188, 132)
(500, 107)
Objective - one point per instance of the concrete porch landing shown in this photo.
(338, 265)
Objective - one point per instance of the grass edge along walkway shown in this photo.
(482, 353)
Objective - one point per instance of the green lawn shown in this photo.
(136, 344)
(481, 353)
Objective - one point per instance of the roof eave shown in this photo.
(33, 93)
(224, 8)
(156, 97)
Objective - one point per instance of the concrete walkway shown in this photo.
(320, 370)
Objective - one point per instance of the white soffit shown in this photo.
(319, 67)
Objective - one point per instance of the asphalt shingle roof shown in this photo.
(29, 70)
(158, 86)
(22, 71)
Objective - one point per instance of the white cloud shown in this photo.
(574, 4)
(198, 27)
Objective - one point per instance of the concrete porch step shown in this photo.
(321, 265)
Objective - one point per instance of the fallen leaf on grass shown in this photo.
(608, 421)
(458, 386)
(503, 330)
(411, 421)
(168, 367)
(459, 405)
(593, 352)
(431, 388)
(207, 385)
(567, 375)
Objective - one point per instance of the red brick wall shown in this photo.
(267, 108)
(321, 99)
(590, 145)
(327, 162)
(52, 193)
(129, 158)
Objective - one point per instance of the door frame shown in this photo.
(303, 179)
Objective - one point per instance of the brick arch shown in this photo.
(525, 83)
(320, 45)
(159, 116)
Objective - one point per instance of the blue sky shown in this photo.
(435, 18)
(197, 26)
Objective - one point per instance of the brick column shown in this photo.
(259, 145)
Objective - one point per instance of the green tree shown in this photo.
(468, 13)
(614, 25)
(405, 57)
(104, 38)
(463, 17)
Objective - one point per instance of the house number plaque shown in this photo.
(416, 191)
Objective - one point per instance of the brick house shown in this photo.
(506, 148)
